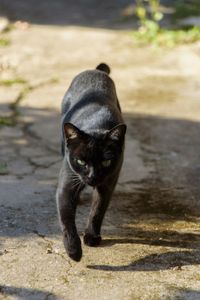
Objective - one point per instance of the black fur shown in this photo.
(103, 67)
(93, 134)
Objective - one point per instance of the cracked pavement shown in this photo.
(150, 248)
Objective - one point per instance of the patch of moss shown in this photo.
(3, 169)
(4, 42)
(9, 82)
(54, 80)
(6, 121)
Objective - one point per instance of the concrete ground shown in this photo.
(151, 239)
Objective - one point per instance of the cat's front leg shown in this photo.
(101, 199)
(67, 198)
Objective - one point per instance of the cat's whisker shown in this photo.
(75, 184)
(76, 178)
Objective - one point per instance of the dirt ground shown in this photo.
(150, 248)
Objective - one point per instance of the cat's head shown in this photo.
(93, 158)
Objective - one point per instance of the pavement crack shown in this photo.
(49, 247)
(27, 88)
(28, 132)
(42, 166)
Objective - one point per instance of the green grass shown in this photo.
(6, 121)
(151, 32)
(9, 82)
(4, 42)
(168, 38)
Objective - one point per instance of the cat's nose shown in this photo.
(91, 180)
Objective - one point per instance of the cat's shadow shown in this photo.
(23, 293)
(156, 261)
(174, 260)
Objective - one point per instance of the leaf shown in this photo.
(157, 16)
(141, 12)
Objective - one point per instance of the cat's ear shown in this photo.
(117, 133)
(71, 131)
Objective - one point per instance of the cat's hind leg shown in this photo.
(101, 198)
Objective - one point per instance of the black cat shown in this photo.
(93, 133)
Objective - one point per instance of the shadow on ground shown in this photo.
(156, 262)
(170, 194)
(24, 293)
(166, 238)
(106, 14)
(186, 294)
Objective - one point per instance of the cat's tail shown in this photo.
(103, 67)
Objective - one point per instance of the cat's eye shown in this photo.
(81, 162)
(106, 163)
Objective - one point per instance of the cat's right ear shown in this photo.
(71, 131)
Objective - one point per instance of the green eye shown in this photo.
(106, 163)
(81, 162)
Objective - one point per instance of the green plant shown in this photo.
(149, 16)
(150, 31)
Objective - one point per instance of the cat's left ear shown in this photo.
(71, 131)
(117, 133)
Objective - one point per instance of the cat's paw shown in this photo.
(92, 240)
(73, 248)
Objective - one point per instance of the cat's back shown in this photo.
(95, 80)
(91, 101)
(90, 85)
